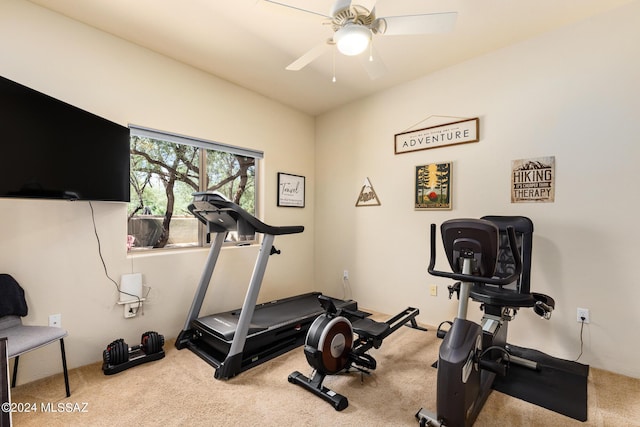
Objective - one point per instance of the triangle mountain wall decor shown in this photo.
(367, 196)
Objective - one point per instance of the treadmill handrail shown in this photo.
(225, 205)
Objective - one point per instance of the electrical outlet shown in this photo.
(55, 320)
(583, 313)
(345, 275)
(433, 290)
(131, 309)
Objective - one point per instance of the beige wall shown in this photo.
(572, 94)
(50, 247)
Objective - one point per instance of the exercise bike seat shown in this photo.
(494, 295)
(370, 329)
(517, 294)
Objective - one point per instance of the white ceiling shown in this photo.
(250, 42)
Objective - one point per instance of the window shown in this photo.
(166, 169)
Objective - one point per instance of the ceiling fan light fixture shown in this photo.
(352, 39)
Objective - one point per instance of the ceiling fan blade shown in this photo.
(416, 24)
(308, 57)
(297, 8)
(373, 64)
(367, 4)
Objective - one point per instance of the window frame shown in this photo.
(144, 132)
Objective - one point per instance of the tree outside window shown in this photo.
(165, 174)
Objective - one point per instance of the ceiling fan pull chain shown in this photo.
(333, 54)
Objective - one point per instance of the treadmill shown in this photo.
(238, 340)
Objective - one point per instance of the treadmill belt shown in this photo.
(275, 313)
(267, 315)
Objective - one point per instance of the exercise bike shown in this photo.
(484, 255)
(330, 346)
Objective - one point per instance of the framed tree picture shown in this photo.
(290, 190)
(433, 186)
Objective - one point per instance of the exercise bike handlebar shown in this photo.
(478, 279)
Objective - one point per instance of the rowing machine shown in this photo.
(330, 347)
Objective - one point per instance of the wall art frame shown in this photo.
(433, 190)
(291, 190)
(533, 180)
(452, 133)
(367, 196)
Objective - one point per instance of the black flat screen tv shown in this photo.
(52, 150)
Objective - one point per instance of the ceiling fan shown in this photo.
(354, 24)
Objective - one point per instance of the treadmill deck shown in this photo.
(274, 314)
(276, 327)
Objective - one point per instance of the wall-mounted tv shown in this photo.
(52, 150)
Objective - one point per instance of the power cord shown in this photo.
(582, 318)
(346, 288)
(104, 265)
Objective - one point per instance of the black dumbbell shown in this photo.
(116, 353)
(151, 342)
